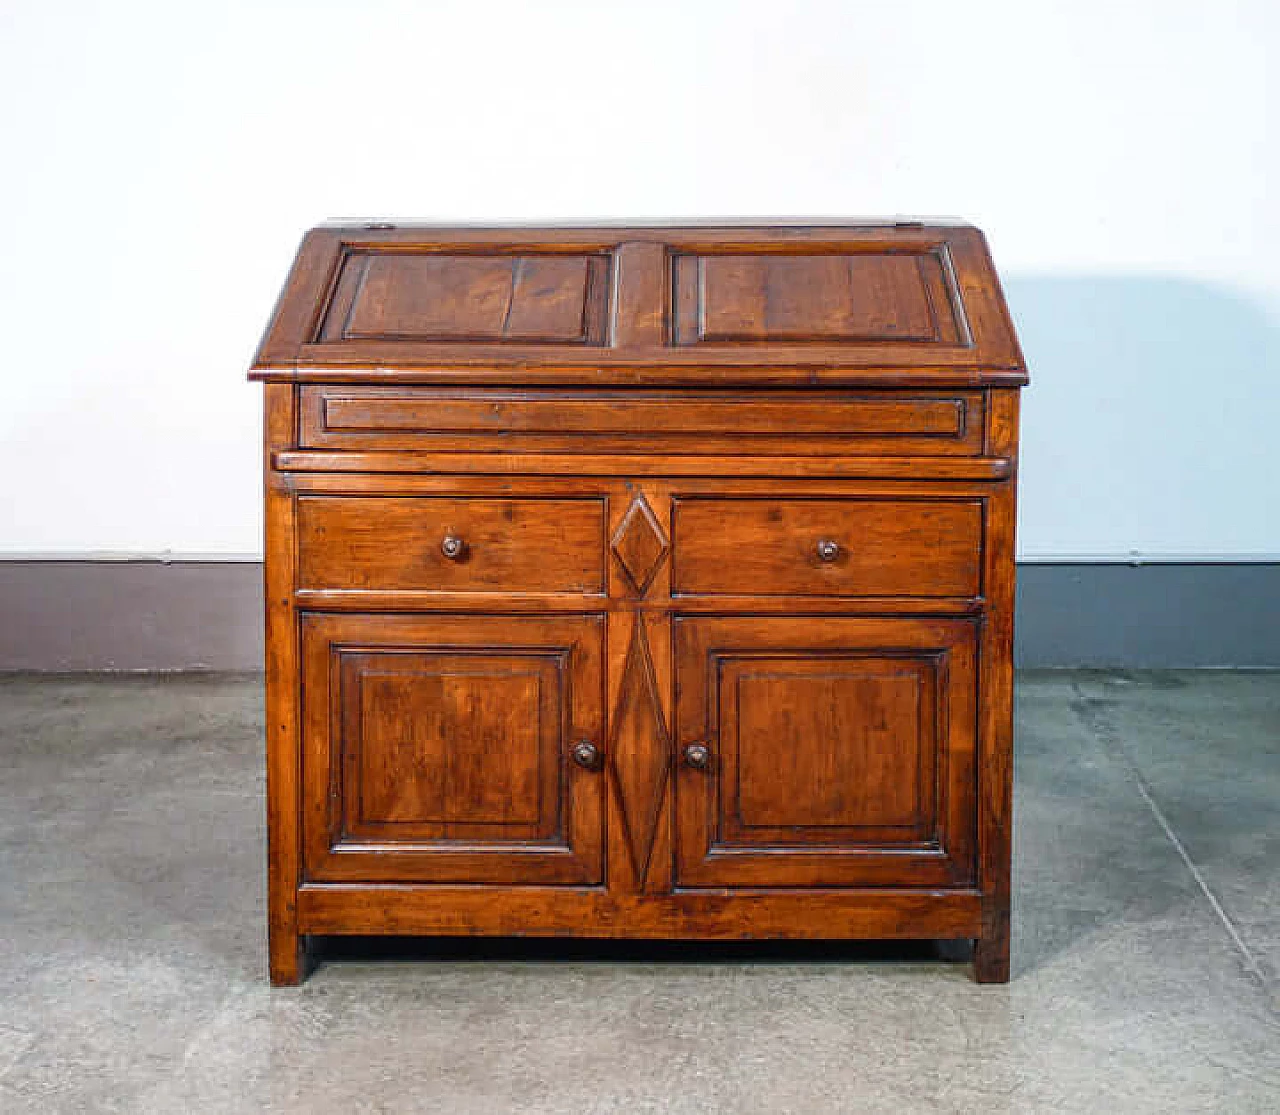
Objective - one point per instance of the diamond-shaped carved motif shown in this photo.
(639, 544)
(640, 752)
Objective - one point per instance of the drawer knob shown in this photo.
(828, 550)
(586, 754)
(453, 547)
(698, 756)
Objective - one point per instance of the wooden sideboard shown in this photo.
(640, 582)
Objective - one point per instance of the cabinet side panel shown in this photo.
(995, 774)
(279, 430)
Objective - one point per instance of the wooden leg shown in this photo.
(287, 947)
(995, 713)
(991, 955)
(289, 961)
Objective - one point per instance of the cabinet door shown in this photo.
(447, 748)
(825, 751)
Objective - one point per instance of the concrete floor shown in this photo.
(1146, 941)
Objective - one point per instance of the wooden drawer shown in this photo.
(859, 546)
(451, 544)
(697, 422)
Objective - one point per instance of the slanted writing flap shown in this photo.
(399, 301)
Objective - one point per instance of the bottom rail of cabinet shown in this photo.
(570, 912)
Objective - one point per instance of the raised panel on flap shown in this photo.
(479, 297)
(827, 297)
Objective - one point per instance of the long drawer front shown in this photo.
(685, 422)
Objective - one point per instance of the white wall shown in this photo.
(160, 161)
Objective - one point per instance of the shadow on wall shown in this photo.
(1149, 431)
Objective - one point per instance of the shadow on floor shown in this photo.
(608, 951)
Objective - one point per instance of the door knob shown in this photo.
(698, 756)
(828, 550)
(453, 547)
(586, 754)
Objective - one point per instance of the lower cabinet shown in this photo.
(811, 751)
(825, 751)
(453, 748)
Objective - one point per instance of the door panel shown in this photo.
(840, 751)
(438, 748)
(404, 717)
(828, 748)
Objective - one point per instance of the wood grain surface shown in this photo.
(650, 582)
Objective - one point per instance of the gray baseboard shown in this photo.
(130, 615)
(186, 615)
(1154, 616)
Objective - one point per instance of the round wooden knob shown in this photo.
(453, 547)
(587, 755)
(698, 756)
(828, 550)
